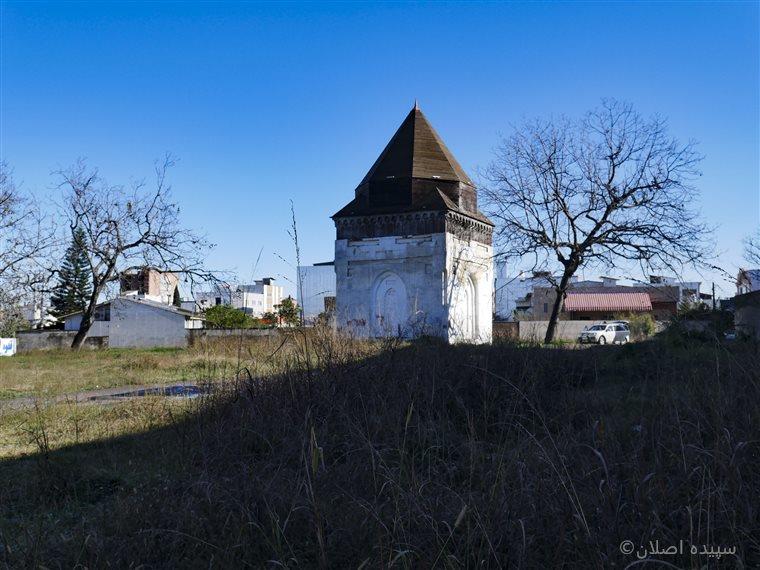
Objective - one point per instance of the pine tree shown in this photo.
(74, 287)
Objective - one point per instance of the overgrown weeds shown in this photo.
(335, 453)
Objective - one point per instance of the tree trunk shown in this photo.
(561, 290)
(84, 328)
(87, 316)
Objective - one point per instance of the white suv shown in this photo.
(606, 333)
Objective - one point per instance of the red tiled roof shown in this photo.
(607, 302)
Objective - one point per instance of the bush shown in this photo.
(226, 317)
(641, 325)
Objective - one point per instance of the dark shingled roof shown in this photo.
(415, 172)
(416, 151)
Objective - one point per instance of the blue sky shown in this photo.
(263, 103)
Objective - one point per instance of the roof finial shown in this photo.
(416, 105)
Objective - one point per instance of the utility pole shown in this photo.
(713, 295)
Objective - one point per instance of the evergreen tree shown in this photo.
(288, 312)
(72, 293)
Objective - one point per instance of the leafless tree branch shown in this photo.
(127, 228)
(612, 186)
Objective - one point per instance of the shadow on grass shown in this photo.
(417, 455)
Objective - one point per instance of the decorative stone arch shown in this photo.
(389, 305)
(464, 308)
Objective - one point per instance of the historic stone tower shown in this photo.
(413, 253)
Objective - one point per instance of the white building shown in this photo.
(413, 253)
(316, 289)
(37, 313)
(747, 281)
(263, 296)
(132, 322)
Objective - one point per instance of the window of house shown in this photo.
(103, 313)
(218, 300)
(546, 307)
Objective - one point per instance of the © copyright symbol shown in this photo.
(626, 547)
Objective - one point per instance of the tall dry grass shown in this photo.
(340, 454)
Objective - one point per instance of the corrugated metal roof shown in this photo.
(607, 302)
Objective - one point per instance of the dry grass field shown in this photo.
(54, 372)
(321, 452)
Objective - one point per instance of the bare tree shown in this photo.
(126, 229)
(752, 248)
(26, 237)
(607, 188)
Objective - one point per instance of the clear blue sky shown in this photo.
(267, 102)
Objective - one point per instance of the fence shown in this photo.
(196, 335)
(48, 340)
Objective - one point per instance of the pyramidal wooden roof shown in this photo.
(416, 151)
(414, 173)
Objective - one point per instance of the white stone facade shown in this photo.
(413, 253)
(435, 284)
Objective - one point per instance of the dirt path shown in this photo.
(108, 395)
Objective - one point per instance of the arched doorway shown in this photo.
(464, 320)
(390, 306)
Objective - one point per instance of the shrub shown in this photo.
(641, 325)
(226, 317)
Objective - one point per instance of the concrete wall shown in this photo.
(198, 335)
(747, 314)
(506, 329)
(138, 325)
(434, 284)
(566, 330)
(316, 283)
(46, 340)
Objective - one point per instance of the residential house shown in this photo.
(606, 299)
(133, 322)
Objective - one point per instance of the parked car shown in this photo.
(606, 333)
